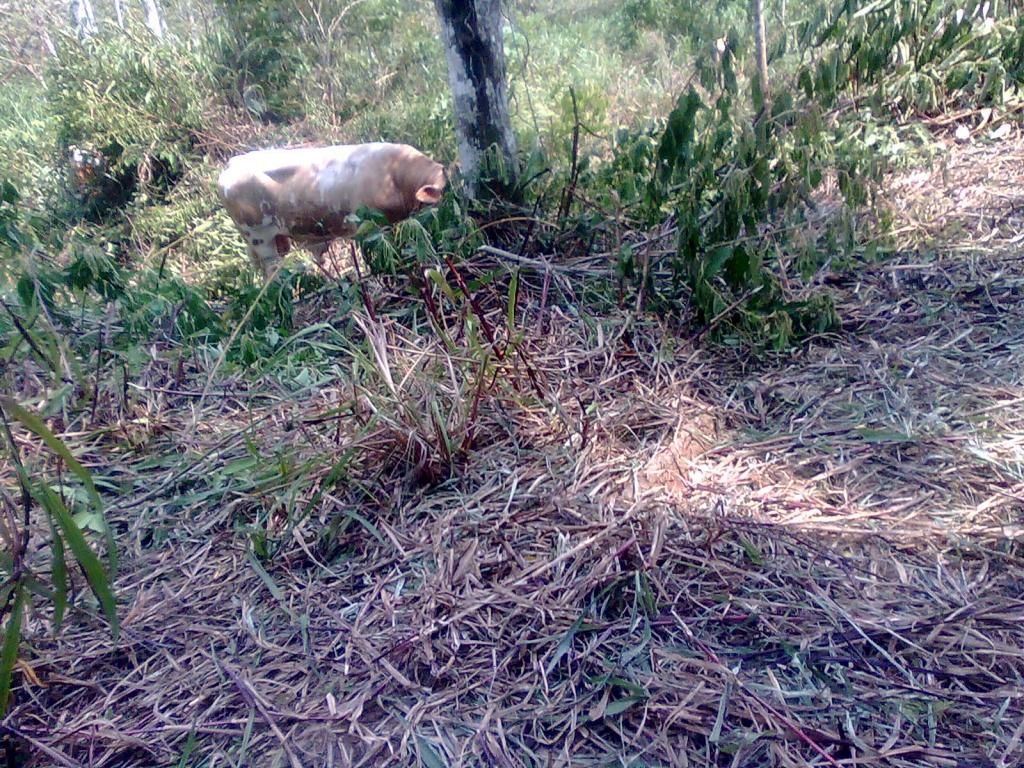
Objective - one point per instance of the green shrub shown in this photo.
(742, 191)
(189, 233)
(914, 57)
(139, 103)
(257, 58)
(736, 192)
(689, 24)
(421, 241)
(27, 140)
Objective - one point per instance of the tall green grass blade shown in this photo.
(33, 423)
(9, 651)
(564, 645)
(190, 745)
(513, 292)
(59, 570)
(87, 559)
(430, 757)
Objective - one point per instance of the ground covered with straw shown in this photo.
(672, 555)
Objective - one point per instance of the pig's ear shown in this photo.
(429, 194)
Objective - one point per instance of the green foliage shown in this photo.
(739, 194)
(10, 224)
(191, 233)
(741, 185)
(687, 23)
(733, 190)
(913, 56)
(21, 231)
(66, 532)
(124, 91)
(137, 103)
(257, 59)
(430, 402)
(637, 15)
(27, 132)
(12, 639)
(167, 277)
(88, 300)
(420, 241)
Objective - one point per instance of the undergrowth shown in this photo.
(721, 213)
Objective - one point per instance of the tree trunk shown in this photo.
(48, 45)
(154, 17)
(471, 30)
(193, 25)
(119, 13)
(83, 18)
(757, 11)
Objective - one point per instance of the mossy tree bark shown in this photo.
(154, 17)
(83, 18)
(476, 73)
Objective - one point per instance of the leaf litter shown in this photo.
(677, 556)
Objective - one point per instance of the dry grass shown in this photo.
(676, 557)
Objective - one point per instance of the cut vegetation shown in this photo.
(709, 452)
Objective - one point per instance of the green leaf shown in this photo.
(59, 570)
(883, 436)
(736, 268)
(33, 423)
(806, 82)
(752, 552)
(430, 757)
(8, 192)
(564, 645)
(438, 279)
(9, 652)
(370, 527)
(89, 520)
(444, 439)
(628, 656)
(513, 291)
(267, 580)
(718, 257)
(619, 706)
(676, 147)
(338, 471)
(635, 689)
(86, 558)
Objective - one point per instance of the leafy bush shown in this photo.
(735, 191)
(137, 103)
(257, 58)
(686, 23)
(68, 506)
(189, 232)
(742, 186)
(420, 241)
(914, 57)
(79, 284)
(66, 535)
(27, 136)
